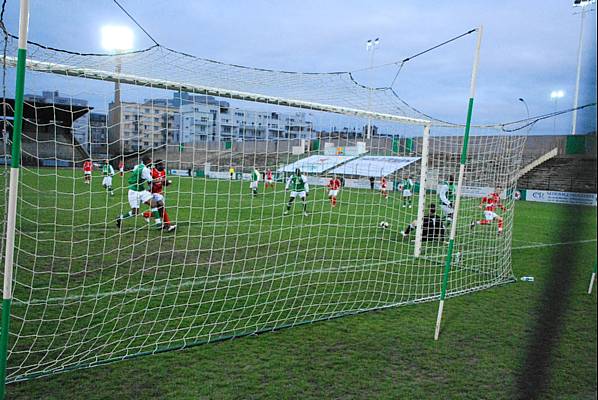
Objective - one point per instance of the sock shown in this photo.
(483, 222)
(165, 217)
(156, 215)
(410, 227)
(147, 214)
(304, 206)
(334, 201)
(127, 215)
(500, 225)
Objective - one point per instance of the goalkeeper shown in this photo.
(432, 226)
(298, 185)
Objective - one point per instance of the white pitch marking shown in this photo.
(242, 277)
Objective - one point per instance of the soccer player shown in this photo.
(432, 226)
(298, 185)
(255, 178)
(108, 173)
(489, 204)
(121, 168)
(87, 168)
(446, 192)
(334, 185)
(157, 189)
(406, 188)
(384, 187)
(141, 176)
(231, 171)
(269, 178)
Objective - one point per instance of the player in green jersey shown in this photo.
(447, 191)
(255, 178)
(297, 184)
(139, 180)
(107, 173)
(406, 187)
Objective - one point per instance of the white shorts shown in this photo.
(158, 197)
(333, 193)
(86, 173)
(489, 215)
(407, 192)
(136, 198)
(447, 210)
(253, 185)
(301, 194)
(107, 181)
(121, 170)
(269, 180)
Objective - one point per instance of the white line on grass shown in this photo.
(257, 278)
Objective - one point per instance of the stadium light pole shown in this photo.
(556, 95)
(521, 99)
(371, 46)
(13, 190)
(583, 4)
(116, 40)
(462, 162)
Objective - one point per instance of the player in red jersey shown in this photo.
(269, 178)
(334, 185)
(87, 168)
(384, 187)
(157, 190)
(489, 204)
(121, 168)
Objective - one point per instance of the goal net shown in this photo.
(87, 292)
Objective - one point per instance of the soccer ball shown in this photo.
(384, 225)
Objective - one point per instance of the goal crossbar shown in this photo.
(67, 70)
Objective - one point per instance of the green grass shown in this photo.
(282, 271)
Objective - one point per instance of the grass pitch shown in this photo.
(486, 338)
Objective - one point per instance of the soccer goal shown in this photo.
(277, 199)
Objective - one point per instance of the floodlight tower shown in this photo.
(371, 46)
(116, 40)
(556, 95)
(584, 9)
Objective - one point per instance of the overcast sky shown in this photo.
(529, 47)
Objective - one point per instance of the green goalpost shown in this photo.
(14, 185)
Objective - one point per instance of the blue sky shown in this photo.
(529, 48)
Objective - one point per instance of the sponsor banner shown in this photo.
(375, 166)
(315, 164)
(546, 196)
(180, 172)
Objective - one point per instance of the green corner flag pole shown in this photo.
(12, 194)
(449, 254)
(593, 277)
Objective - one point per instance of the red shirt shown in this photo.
(492, 201)
(159, 180)
(87, 166)
(334, 184)
(383, 183)
(269, 174)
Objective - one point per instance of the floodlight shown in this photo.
(117, 38)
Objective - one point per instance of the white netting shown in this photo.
(87, 293)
